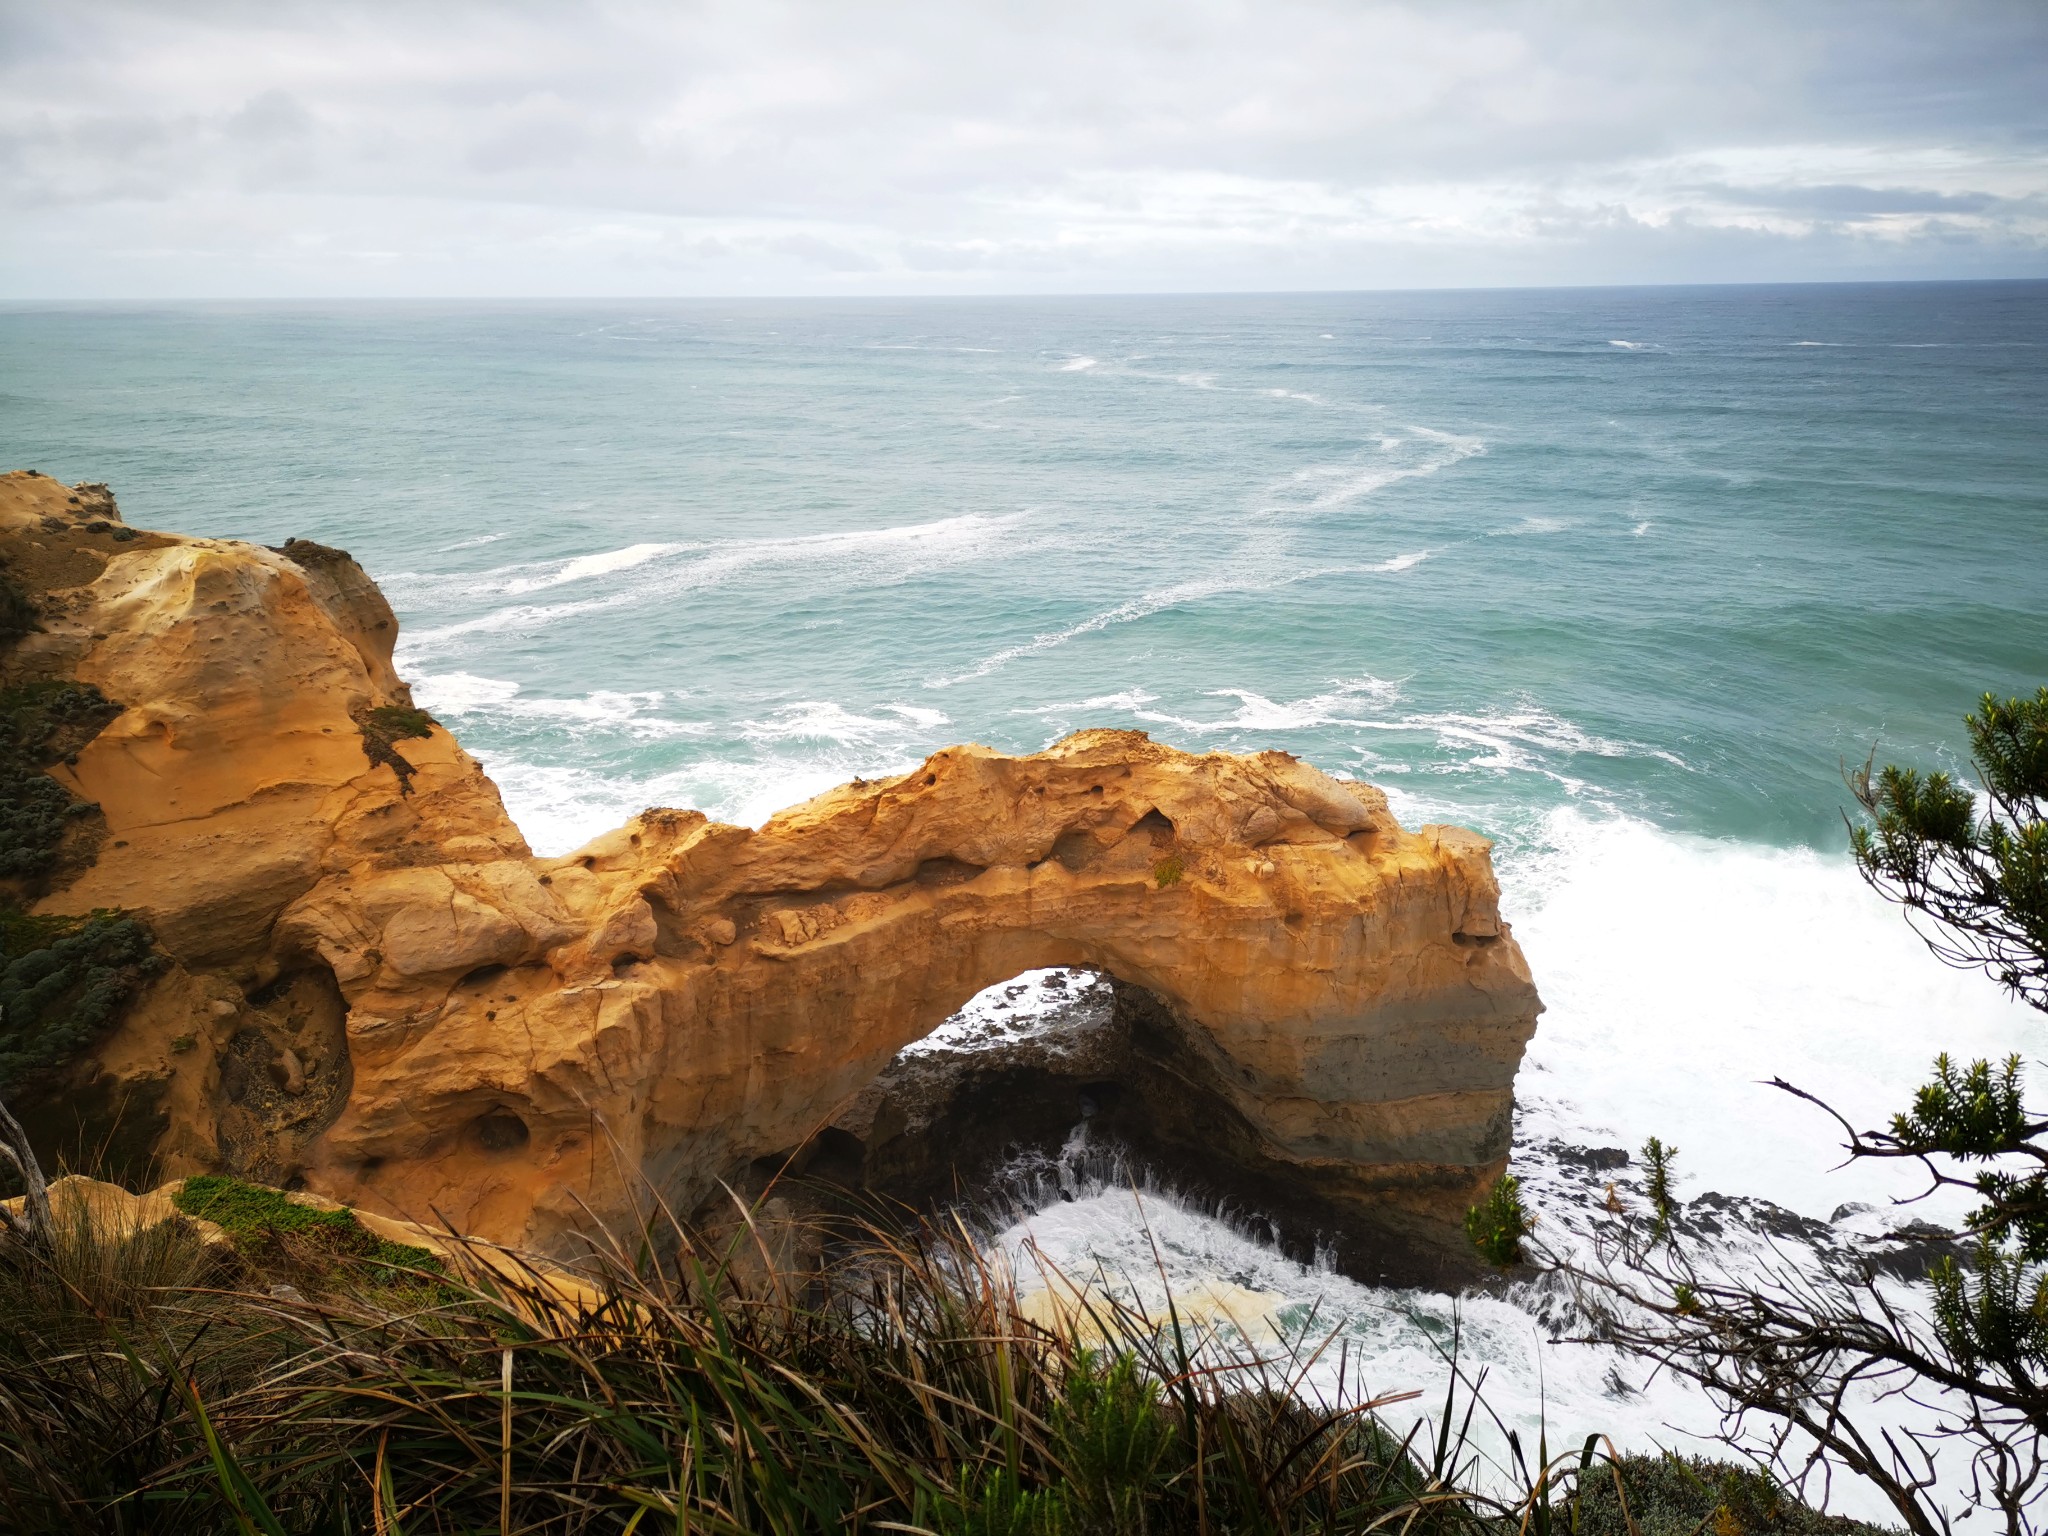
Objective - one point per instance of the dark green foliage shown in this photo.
(387, 725)
(1499, 1223)
(1974, 1113)
(2002, 1322)
(17, 610)
(398, 722)
(1673, 1495)
(1658, 1158)
(1982, 878)
(41, 723)
(63, 983)
(1110, 1436)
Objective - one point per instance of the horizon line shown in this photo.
(932, 295)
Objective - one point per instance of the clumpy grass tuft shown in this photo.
(148, 1384)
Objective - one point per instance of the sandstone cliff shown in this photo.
(378, 990)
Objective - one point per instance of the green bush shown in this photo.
(1672, 1495)
(41, 723)
(1497, 1224)
(384, 727)
(17, 611)
(63, 983)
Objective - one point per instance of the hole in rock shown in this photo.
(1153, 825)
(500, 1131)
(1068, 1084)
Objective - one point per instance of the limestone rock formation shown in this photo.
(524, 1045)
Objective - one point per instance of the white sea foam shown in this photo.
(1077, 365)
(1640, 529)
(1141, 1242)
(1137, 608)
(1678, 974)
(1129, 699)
(824, 720)
(859, 557)
(630, 713)
(1530, 525)
(1633, 346)
(460, 693)
(1412, 454)
(1028, 1006)
(1681, 973)
(583, 567)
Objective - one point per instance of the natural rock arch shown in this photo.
(681, 997)
(534, 1043)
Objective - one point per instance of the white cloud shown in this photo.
(762, 145)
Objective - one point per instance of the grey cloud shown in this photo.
(1849, 201)
(1114, 142)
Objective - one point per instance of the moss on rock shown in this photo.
(268, 1223)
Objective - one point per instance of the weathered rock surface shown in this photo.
(526, 1045)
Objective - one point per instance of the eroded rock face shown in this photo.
(536, 1043)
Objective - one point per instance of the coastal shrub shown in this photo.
(41, 723)
(17, 610)
(1168, 871)
(384, 727)
(1658, 1160)
(1671, 1495)
(1498, 1224)
(63, 983)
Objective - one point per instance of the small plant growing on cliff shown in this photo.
(1498, 1224)
(1659, 1158)
(1169, 870)
(387, 725)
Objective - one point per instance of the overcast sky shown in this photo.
(432, 147)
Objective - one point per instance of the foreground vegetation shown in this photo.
(310, 1379)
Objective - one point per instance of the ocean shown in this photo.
(1621, 577)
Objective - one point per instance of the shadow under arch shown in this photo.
(1051, 1084)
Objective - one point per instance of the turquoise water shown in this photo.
(1678, 551)
(1620, 577)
